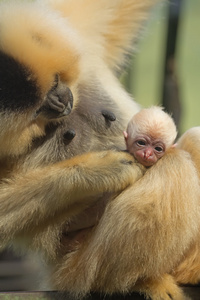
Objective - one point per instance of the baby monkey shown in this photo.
(149, 134)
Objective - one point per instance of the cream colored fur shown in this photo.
(147, 238)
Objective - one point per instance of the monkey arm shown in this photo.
(29, 200)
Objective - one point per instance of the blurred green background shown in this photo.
(148, 62)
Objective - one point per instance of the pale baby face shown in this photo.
(146, 149)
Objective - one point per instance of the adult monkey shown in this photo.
(147, 229)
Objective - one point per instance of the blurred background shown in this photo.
(165, 70)
(181, 20)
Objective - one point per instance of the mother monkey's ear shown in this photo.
(112, 24)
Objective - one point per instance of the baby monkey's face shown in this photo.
(147, 150)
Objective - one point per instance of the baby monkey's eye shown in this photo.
(159, 149)
(141, 143)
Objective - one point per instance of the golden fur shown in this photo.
(146, 239)
(151, 231)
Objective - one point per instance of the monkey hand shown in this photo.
(58, 102)
(58, 105)
(106, 171)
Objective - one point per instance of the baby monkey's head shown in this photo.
(149, 134)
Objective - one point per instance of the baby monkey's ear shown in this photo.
(125, 135)
(58, 101)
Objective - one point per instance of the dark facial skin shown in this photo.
(147, 150)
